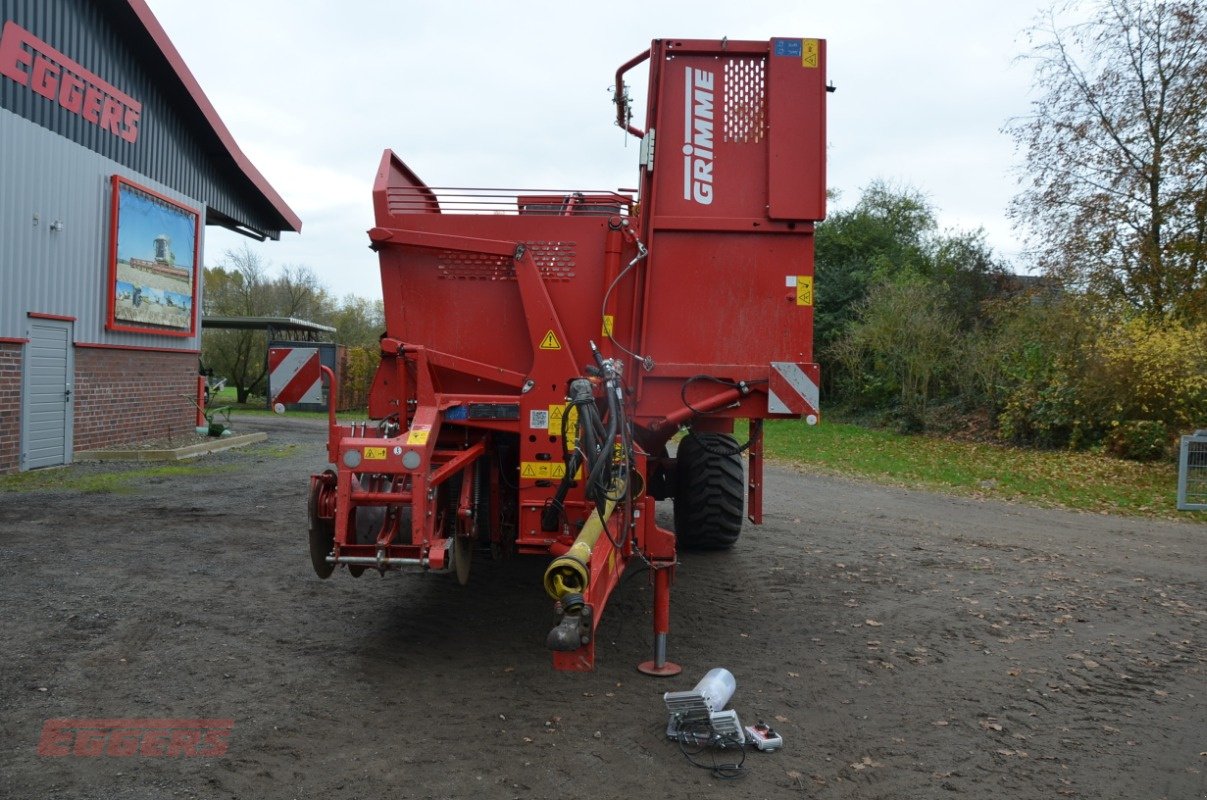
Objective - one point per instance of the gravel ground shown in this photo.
(906, 645)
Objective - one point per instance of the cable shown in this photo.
(741, 386)
(645, 361)
(700, 734)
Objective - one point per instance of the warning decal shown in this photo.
(555, 423)
(809, 53)
(418, 434)
(606, 328)
(550, 342)
(375, 454)
(804, 290)
(535, 469)
(546, 470)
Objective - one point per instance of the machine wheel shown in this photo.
(463, 553)
(708, 493)
(322, 535)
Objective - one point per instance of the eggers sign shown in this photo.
(31, 62)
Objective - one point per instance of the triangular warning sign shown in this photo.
(550, 342)
(529, 471)
(555, 413)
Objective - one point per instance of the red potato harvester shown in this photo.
(542, 348)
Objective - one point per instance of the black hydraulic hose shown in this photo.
(580, 398)
(600, 477)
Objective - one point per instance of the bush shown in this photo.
(900, 348)
(1074, 373)
(1138, 440)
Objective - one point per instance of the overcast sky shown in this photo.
(517, 95)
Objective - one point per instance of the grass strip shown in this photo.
(1056, 478)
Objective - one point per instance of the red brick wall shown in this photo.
(10, 407)
(126, 396)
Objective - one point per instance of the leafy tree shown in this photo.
(878, 259)
(884, 234)
(358, 322)
(1115, 153)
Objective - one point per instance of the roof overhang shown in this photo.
(169, 51)
(265, 323)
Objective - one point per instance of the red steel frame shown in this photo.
(699, 297)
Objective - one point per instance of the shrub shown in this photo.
(901, 347)
(1139, 440)
(1074, 373)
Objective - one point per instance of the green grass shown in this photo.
(1082, 481)
(257, 408)
(113, 480)
(275, 451)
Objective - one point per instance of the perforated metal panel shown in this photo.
(745, 99)
(1192, 473)
(555, 260)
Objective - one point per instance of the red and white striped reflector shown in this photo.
(792, 388)
(294, 376)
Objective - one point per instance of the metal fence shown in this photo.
(1192, 473)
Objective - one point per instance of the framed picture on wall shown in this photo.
(153, 255)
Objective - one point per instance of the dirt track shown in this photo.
(907, 645)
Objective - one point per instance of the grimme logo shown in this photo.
(170, 738)
(697, 135)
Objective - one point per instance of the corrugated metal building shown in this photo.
(112, 163)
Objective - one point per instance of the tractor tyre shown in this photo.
(709, 492)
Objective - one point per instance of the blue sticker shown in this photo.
(788, 47)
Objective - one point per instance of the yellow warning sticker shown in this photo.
(550, 342)
(555, 423)
(419, 434)
(606, 329)
(809, 53)
(375, 454)
(804, 290)
(546, 470)
(536, 469)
